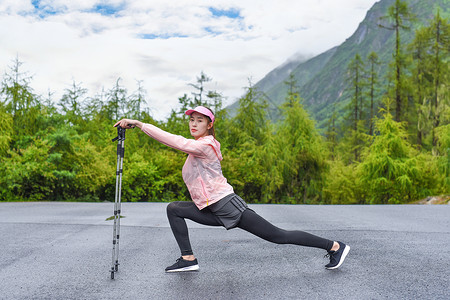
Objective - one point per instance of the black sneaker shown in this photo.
(337, 257)
(183, 265)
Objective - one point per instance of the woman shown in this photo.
(214, 202)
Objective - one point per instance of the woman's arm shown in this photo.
(178, 142)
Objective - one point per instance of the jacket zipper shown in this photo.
(204, 191)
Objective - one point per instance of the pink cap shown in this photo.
(203, 110)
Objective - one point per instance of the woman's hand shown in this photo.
(128, 123)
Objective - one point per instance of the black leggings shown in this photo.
(250, 221)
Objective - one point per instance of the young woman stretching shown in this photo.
(214, 202)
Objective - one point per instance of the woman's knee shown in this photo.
(172, 208)
(180, 208)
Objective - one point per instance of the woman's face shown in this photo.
(199, 125)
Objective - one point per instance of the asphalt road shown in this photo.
(63, 251)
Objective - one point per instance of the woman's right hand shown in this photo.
(128, 123)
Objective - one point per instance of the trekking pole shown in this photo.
(117, 201)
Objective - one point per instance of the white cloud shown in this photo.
(73, 42)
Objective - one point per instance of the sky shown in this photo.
(166, 44)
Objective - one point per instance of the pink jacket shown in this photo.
(201, 172)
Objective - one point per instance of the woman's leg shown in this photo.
(257, 225)
(177, 212)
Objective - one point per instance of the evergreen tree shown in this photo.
(208, 98)
(72, 102)
(430, 75)
(117, 102)
(300, 154)
(389, 171)
(137, 102)
(251, 122)
(343, 185)
(243, 138)
(372, 84)
(199, 86)
(355, 118)
(443, 155)
(331, 133)
(6, 131)
(176, 123)
(440, 48)
(20, 101)
(400, 16)
(293, 94)
(421, 83)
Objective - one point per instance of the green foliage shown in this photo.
(298, 156)
(372, 91)
(322, 78)
(91, 169)
(65, 152)
(6, 130)
(390, 169)
(251, 122)
(400, 18)
(430, 76)
(20, 101)
(142, 182)
(27, 174)
(356, 110)
(343, 185)
(443, 157)
(244, 138)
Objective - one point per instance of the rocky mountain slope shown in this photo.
(322, 79)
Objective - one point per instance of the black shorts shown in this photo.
(229, 210)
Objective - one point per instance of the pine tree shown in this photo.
(372, 84)
(199, 87)
(440, 32)
(389, 170)
(176, 123)
(355, 117)
(137, 102)
(299, 154)
(20, 101)
(331, 133)
(6, 130)
(399, 14)
(443, 155)
(421, 83)
(72, 102)
(430, 75)
(244, 138)
(251, 121)
(293, 94)
(117, 102)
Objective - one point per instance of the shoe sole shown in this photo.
(344, 254)
(185, 269)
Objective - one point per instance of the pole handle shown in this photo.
(120, 134)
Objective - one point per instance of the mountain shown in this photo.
(274, 79)
(322, 79)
